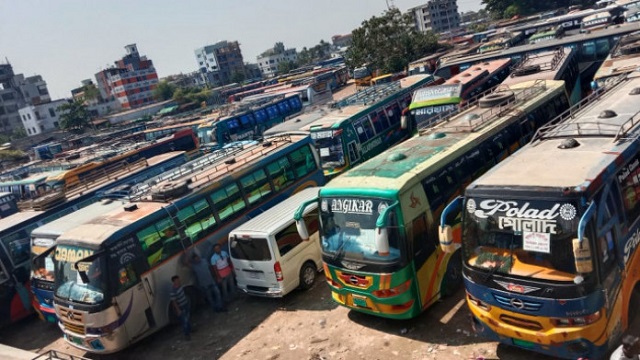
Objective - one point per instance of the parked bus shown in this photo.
(15, 230)
(164, 131)
(365, 124)
(623, 58)
(545, 35)
(502, 41)
(250, 123)
(596, 22)
(428, 102)
(378, 221)
(113, 273)
(557, 64)
(44, 237)
(362, 76)
(549, 237)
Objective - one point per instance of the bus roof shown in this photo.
(574, 167)
(67, 222)
(31, 179)
(547, 65)
(271, 220)
(17, 218)
(403, 165)
(624, 57)
(297, 123)
(478, 70)
(565, 41)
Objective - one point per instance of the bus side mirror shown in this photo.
(445, 235)
(445, 231)
(582, 255)
(382, 241)
(302, 229)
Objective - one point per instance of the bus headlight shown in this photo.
(577, 321)
(393, 291)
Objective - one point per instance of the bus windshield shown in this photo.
(348, 228)
(70, 285)
(329, 145)
(531, 239)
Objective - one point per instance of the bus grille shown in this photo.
(507, 302)
(72, 320)
(522, 323)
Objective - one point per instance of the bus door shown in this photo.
(134, 287)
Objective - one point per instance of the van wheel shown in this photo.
(307, 275)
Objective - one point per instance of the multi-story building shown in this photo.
(268, 61)
(41, 118)
(219, 62)
(96, 104)
(131, 81)
(17, 91)
(439, 16)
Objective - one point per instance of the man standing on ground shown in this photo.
(222, 267)
(207, 284)
(181, 305)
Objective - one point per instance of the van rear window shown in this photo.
(250, 249)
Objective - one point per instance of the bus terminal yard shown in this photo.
(303, 325)
(485, 208)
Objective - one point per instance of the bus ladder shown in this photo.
(556, 128)
(547, 66)
(58, 355)
(472, 124)
(181, 226)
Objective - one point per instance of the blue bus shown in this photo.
(249, 124)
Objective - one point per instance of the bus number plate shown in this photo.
(360, 301)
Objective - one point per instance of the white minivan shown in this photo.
(269, 258)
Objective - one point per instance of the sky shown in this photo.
(67, 41)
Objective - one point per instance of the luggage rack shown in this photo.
(200, 172)
(370, 95)
(557, 128)
(477, 120)
(547, 66)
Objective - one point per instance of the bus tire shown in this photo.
(453, 276)
(495, 99)
(307, 275)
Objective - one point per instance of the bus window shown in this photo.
(197, 219)
(295, 103)
(280, 173)
(260, 116)
(233, 125)
(393, 113)
(630, 188)
(228, 201)
(256, 185)
(364, 129)
(19, 250)
(272, 111)
(246, 121)
(284, 107)
(377, 122)
(303, 161)
(159, 241)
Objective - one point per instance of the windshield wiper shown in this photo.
(490, 274)
(340, 249)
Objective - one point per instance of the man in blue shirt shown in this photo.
(207, 284)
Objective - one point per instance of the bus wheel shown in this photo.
(453, 277)
(633, 318)
(307, 275)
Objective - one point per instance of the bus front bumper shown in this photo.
(399, 307)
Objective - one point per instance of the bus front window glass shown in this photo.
(69, 283)
(348, 230)
(523, 238)
(17, 246)
(42, 267)
(329, 146)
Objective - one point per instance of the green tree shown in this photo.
(18, 133)
(389, 42)
(90, 92)
(511, 11)
(179, 95)
(74, 116)
(286, 66)
(237, 77)
(278, 48)
(164, 91)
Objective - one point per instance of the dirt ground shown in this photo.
(304, 325)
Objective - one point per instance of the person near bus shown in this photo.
(181, 305)
(206, 282)
(221, 265)
(629, 350)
